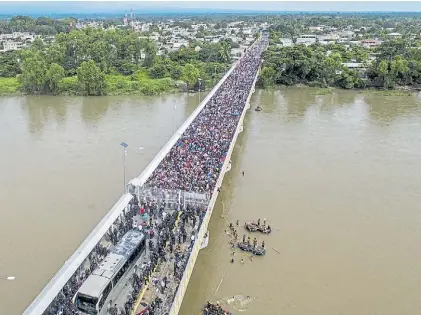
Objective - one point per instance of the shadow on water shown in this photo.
(43, 109)
(297, 101)
(385, 109)
(339, 98)
(94, 108)
(206, 283)
(267, 99)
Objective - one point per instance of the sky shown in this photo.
(80, 7)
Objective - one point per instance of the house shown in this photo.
(316, 28)
(394, 35)
(370, 43)
(358, 66)
(177, 45)
(347, 34)
(306, 40)
(353, 65)
(286, 42)
(12, 45)
(154, 36)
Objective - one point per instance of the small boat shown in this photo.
(254, 227)
(211, 309)
(258, 250)
(258, 109)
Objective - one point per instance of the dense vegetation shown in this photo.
(393, 64)
(41, 25)
(114, 61)
(97, 62)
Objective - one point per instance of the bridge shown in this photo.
(177, 177)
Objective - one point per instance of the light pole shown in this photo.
(200, 87)
(10, 278)
(124, 145)
(173, 117)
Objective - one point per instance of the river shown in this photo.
(338, 176)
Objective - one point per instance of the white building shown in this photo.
(394, 35)
(286, 42)
(306, 40)
(12, 45)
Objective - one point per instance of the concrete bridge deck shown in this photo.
(52, 290)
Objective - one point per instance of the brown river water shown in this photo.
(337, 176)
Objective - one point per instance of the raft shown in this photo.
(258, 250)
(258, 109)
(215, 309)
(253, 227)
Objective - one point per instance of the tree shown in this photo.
(53, 76)
(190, 75)
(91, 79)
(267, 76)
(33, 76)
(225, 51)
(9, 66)
(158, 71)
(38, 44)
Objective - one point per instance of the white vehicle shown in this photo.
(92, 294)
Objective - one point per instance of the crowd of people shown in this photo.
(214, 309)
(194, 162)
(192, 165)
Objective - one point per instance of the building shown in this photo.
(306, 40)
(286, 42)
(394, 35)
(370, 43)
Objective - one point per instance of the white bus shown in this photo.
(92, 294)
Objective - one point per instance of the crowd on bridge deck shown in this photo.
(195, 161)
(193, 164)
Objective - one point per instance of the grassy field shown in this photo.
(9, 86)
(139, 83)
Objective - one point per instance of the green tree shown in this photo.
(53, 76)
(267, 76)
(33, 76)
(91, 79)
(190, 75)
(38, 44)
(225, 51)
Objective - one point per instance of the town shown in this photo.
(352, 49)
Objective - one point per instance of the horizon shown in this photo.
(51, 8)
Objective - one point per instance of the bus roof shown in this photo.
(128, 243)
(93, 286)
(100, 277)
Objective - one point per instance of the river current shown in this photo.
(338, 176)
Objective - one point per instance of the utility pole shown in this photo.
(124, 145)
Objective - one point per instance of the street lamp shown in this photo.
(10, 278)
(173, 117)
(200, 87)
(124, 145)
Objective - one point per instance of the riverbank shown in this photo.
(116, 85)
(330, 90)
(131, 85)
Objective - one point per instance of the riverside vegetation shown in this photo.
(114, 61)
(394, 64)
(119, 61)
